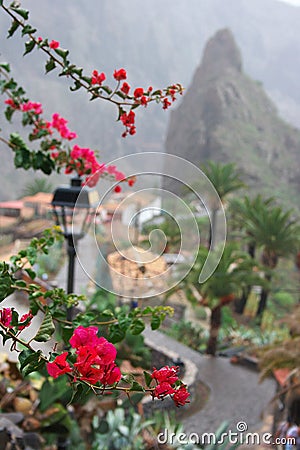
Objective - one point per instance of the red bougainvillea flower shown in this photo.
(98, 78)
(166, 103)
(120, 74)
(11, 103)
(128, 119)
(162, 390)
(181, 396)
(117, 189)
(54, 44)
(144, 101)
(138, 92)
(106, 351)
(88, 364)
(6, 316)
(125, 88)
(166, 373)
(59, 366)
(112, 374)
(84, 336)
(25, 320)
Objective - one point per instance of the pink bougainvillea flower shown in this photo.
(120, 74)
(6, 316)
(25, 321)
(84, 336)
(54, 44)
(32, 106)
(59, 366)
(106, 351)
(181, 396)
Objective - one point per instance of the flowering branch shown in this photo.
(54, 136)
(93, 84)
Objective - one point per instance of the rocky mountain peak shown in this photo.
(226, 116)
(221, 53)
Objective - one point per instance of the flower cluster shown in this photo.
(139, 97)
(83, 161)
(167, 384)
(95, 359)
(60, 124)
(6, 316)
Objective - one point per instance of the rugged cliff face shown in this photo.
(226, 116)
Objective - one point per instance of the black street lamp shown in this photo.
(73, 208)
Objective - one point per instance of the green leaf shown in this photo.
(147, 310)
(22, 12)
(80, 393)
(5, 66)
(13, 28)
(46, 329)
(29, 46)
(30, 361)
(61, 52)
(31, 273)
(106, 89)
(137, 387)
(53, 390)
(22, 158)
(137, 326)
(28, 356)
(20, 283)
(28, 30)
(148, 378)
(9, 113)
(50, 65)
(124, 322)
(6, 281)
(155, 322)
(77, 85)
(116, 334)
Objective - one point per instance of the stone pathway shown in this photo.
(235, 393)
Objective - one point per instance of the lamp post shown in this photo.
(72, 208)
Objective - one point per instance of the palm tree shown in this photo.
(234, 271)
(278, 235)
(37, 185)
(225, 180)
(245, 211)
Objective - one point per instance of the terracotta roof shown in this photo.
(12, 204)
(40, 197)
(281, 375)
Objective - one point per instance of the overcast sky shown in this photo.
(292, 2)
